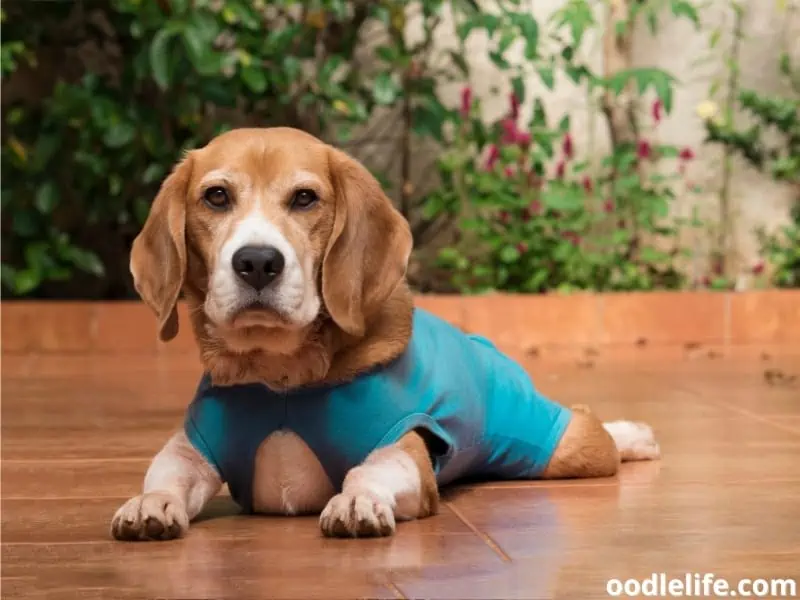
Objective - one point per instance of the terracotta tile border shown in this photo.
(523, 324)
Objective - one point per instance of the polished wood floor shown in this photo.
(78, 432)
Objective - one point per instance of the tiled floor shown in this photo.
(78, 432)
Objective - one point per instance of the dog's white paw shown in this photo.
(357, 515)
(635, 441)
(153, 516)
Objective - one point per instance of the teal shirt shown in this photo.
(480, 405)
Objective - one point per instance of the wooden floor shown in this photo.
(78, 432)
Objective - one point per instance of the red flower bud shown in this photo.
(643, 149)
(508, 172)
(535, 207)
(514, 101)
(657, 106)
(522, 247)
(567, 146)
(560, 168)
(504, 217)
(509, 131)
(523, 138)
(491, 158)
(686, 154)
(466, 101)
(571, 237)
(758, 268)
(587, 184)
(608, 206)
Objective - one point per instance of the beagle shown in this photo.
(325, 390)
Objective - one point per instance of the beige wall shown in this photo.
(678, 48)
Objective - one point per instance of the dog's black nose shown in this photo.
(258, 266)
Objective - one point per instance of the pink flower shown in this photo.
(508, 172)
(656, 111)
(514, 101)
(491, 158)
(466, 101)
(587, 184)
(686, 154)
(560, 168)
(523, 138)
(758, 268)
(608, 206)
(643, 149)
(567, 146)
(509, 131)
(522, 247)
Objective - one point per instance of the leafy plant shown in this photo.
(130, 85)
(537, 218)
(770, 142)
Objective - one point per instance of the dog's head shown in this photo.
(269, 230)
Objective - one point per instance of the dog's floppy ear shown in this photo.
(367, 254)
(158, 255)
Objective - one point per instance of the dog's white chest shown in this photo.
(289, 478)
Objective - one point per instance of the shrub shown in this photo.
(534, 217)
(129, 85)
(771, 144)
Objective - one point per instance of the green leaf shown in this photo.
(460, 62)
(26, 281)
(546, 74)
(509, 254)
(506, 39)
(255, 78)
(499, 60)
(562, 197)
(529, 28)
(153, 173)
(159, 58)
(385, 90)
(46, 198)
(518, 86)
(681, 8)
(85, 260)
(195, 47)
(119, 134)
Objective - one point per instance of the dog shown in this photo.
(324, 390)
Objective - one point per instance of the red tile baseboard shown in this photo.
(521, 323)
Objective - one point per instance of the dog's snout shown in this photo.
(258, 266)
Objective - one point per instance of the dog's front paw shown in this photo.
(357, 515)
(635, 441)
(153, 516)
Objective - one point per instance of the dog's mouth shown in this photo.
(261, 315)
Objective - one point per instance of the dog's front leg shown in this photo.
(394, 483)
(177, 486)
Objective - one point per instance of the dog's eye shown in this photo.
(304, 199)
(217, 198)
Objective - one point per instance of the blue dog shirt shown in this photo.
(480, 404)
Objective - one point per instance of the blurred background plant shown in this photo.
(769, 141)
(100, 99)
(537, 218)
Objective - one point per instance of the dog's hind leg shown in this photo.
(590, 448)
